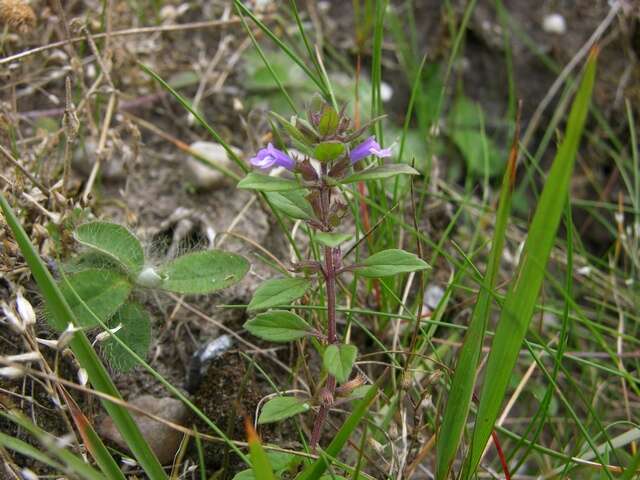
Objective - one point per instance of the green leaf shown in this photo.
(203, 272)
(278, 326)
(327, 151)
(135, 332)
(391, 262)
(280, 462)
(339, 359)
(267, 183)
(332, 239)
(293, 204)
(329, 121)
(278, 291)
(479, 151)
(279, 408)
(245, 475)
(114, 241)
(378, 172)
(103, 291)
(520, 300)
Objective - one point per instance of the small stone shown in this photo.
(118, 155)
(163, 440)
(206, 177)
(554, 23)
(432, 296)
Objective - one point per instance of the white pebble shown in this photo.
(386, 92)
(204, 176)
(554, 23)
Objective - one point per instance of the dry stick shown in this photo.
(26, 172)
(127, 32)
(71, 127)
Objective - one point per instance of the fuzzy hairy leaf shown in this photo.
(278, 291)
(103, 291)
(278, 326)
(203, 272)
(112, 240)
(391, 262)
(135, 331)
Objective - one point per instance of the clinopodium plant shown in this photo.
(328, 158)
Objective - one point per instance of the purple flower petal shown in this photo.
(269, 157)
(367, 148)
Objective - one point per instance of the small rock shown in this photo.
(204, 176)
(202, 358)
(163, 440)
(114, 166)
(432, 296)
(554, 23)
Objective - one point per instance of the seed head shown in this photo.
(18, 15)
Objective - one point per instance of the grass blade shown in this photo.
(464, 377)
(259, 461)
(61, 314)
(92, 441)
(240, 6)
(23, 448)
(523, 292)
(71, 462)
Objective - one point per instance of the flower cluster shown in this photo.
(270, 157)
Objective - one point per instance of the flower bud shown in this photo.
(307, 171)
(16, 324)
(25, 310)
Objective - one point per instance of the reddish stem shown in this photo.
(503, 460)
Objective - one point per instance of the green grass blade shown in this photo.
(275, 77)
(92, 441)
(523, 292)
(23, 448)
(464, 377)
(187, 105)
(259, 461)
(61, 315)
(69, 460)
(317, 468)
(242, 8)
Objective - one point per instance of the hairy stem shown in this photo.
(326, 396)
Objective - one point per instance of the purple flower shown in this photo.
(269, 157)
(368, 147)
